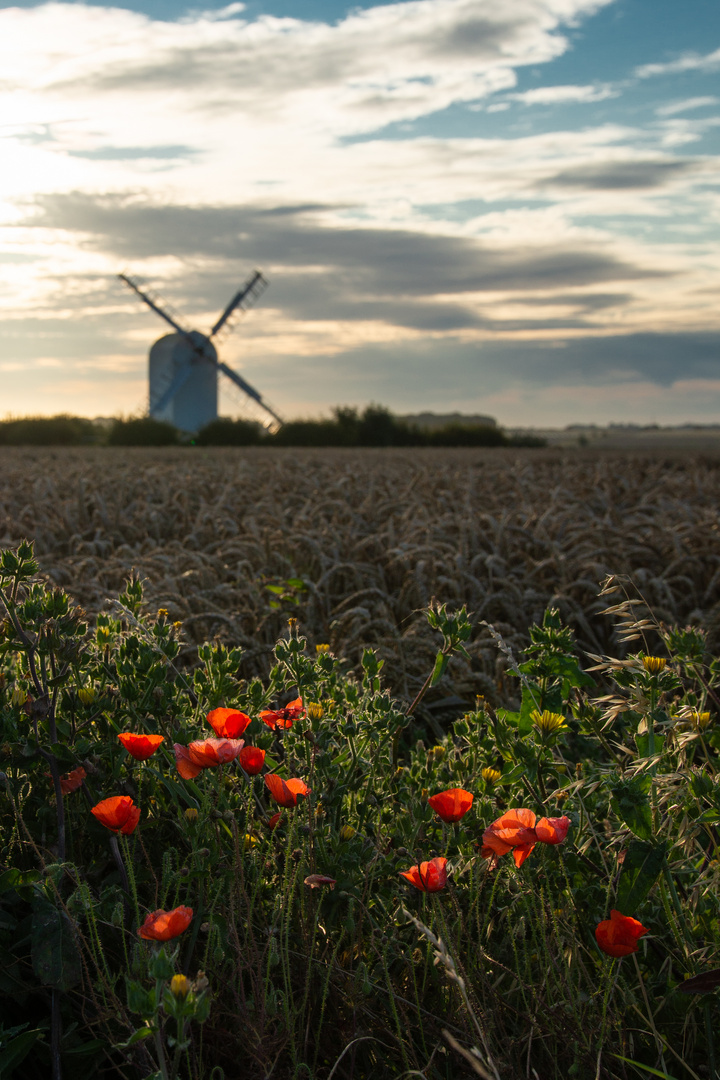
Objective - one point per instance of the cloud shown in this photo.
(683, 106)
(563, 95)
(134, 153)
(688, 62)
(387, 63)
(349, 265)
(623, 175)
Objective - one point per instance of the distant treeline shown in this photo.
(375, 426)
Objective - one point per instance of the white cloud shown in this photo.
(195, 150)
(688, 62)
(683, 106)
(562, 95)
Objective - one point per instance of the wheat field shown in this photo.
(374, 536)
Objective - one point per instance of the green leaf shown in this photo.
(55, 955)
(631, 804)
(277, 589)
(14, 1053)
(441, 662)
(642, 741)
(16, 879)
(640, 870)
(645, 1068)
(136, 1037)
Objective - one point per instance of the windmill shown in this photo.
(184, 365)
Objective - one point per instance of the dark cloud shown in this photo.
(450, 372)
(134, 153)
(622, 175)
(322, 273)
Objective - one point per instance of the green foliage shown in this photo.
(228, 432)
(50, 431)
(142, 431)
(300, 945)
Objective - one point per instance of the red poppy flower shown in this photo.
(285, 792)
(141, 747)
(205, 754)
(283, 718)
(314, 881)
(228, 723)
(618, 935)
(552, 830)
(452, 804)
(520, 830)
(251, 759)
(71, 781)
(165, 925)
(428, 876)
(119, 814)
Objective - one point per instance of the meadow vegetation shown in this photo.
(314, 890)
(358, 833)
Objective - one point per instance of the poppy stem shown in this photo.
(120, 864)
(658, 1041)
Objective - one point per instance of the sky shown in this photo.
(459, 205)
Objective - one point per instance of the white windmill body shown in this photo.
(174, 362)
(184, 365)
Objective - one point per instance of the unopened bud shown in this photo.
(179, 986)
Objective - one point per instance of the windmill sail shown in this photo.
(184, 365)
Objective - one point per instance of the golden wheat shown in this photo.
(375, 535)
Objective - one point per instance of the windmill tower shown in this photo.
(184, 365)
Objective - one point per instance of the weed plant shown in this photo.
(294, 943)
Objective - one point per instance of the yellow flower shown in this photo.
(438, 752)
(179, 986)
(322, 650)
(18, 697)
(250, 841)
(315, 710)
(654, 664)
(347, 832)
(701, 720)
(86, 694)
(491, 776)
(162, 613)
(548, 723)
(191, 814)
